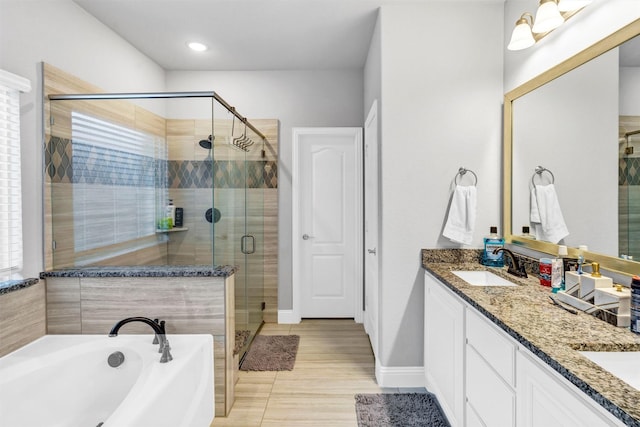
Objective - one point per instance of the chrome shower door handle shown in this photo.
(306, 237)
(372, 251)
(243, 246)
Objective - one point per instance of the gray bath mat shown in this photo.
(271, 353)
(399, 410)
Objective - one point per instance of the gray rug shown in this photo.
(399, 410)
(241, 340)
(271, 353)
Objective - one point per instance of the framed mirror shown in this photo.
(577, 121)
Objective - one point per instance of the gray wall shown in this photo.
(441, 86)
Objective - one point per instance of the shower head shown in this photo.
(206, 143)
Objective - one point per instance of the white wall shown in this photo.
(441, 72)
(296, 99)
(62, 34)
(629, 91)
(598, 20)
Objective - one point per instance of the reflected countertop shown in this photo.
(527, 314)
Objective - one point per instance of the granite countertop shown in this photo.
(14, 285)
(527, 314)
(144, 271)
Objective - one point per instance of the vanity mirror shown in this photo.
(577, 120)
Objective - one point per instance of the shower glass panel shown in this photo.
(239, 209)
(629, 188)
(113, 166)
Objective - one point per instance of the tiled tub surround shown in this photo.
(22, 313)
(555, 336)
(191, 299)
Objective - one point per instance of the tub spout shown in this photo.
(158, 328)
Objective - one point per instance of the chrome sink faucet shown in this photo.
(158, 328)
(514, 266)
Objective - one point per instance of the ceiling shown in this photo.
(244, 34)
(254, 34)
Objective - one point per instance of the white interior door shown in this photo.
(327, 240)
(371, 226)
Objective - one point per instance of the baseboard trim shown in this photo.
(287, 316)
(400, 376)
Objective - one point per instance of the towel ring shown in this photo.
(461, 172)
(539, 171)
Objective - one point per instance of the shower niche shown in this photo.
(114, 161)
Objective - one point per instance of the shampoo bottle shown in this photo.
(170, 214)
(491, 243)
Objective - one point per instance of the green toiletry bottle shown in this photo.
(491, 243)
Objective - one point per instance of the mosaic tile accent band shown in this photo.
(113, 167)
(629, 171)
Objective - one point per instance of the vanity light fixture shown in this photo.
(547, 17)
(522, 37)
(550, 15)
(196, 46)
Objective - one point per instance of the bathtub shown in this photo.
(65, 381)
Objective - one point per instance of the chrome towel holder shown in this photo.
(539, 170)
(462, 172)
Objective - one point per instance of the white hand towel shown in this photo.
(551, 221)
(462, 215)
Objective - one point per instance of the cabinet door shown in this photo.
(491, 397)
(544, 400)
(443, 348)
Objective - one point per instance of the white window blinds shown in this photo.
(114, 188)
(10, 187)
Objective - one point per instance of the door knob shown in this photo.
(306, 237)
(372, 251)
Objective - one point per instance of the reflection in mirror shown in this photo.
(581, 125)
(570, 127)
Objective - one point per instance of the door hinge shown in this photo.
(51, 120)
(53, 245)
(263, 305)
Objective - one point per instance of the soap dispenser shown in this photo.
(589, 282)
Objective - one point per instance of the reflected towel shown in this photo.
(462, 215)
(546, 215)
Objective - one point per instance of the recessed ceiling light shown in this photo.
(198, 47)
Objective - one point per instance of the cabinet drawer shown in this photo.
(492, 399)
(495, 348)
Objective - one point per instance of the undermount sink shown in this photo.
(622, 364)
(482, 278)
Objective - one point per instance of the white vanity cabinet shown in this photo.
(546, 399)
(490, 372)
(444, 348)
(483, 377)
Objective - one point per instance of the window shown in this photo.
(10, 187)
(114, 183)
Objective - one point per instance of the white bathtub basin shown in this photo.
(482, 278)
(65, 381)
(623, 364)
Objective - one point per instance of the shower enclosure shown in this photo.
(158, 179)
(629, 187)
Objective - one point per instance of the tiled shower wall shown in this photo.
(191, 179)
(629, 190)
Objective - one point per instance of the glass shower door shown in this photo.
(238, 233)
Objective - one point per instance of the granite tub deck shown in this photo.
(192, 299)
(144, 271)
(526, 313)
